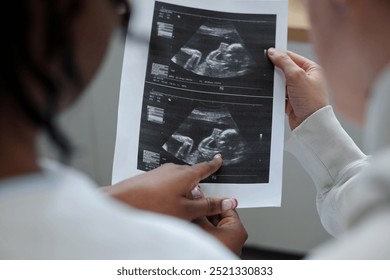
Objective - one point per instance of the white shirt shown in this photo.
(353, 190)
(60, 214)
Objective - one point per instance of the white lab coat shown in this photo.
(353, 190)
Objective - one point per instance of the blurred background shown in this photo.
(91, 124)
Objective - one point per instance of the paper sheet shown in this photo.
(200, 83)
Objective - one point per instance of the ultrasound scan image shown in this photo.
(228, 59)
(221, 137)
(209, 90)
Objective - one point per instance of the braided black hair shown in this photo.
(15, 27)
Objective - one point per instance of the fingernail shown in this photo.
(229, 204)
(271, 51)
(218, 156)
(196, 193)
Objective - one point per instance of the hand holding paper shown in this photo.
(306, 86)
(170, 189)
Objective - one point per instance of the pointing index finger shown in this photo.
(205, 169)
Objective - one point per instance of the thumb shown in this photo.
(210, 206)
(283, 61)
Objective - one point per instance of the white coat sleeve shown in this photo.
(333, 161)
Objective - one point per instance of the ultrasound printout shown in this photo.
(208, 88)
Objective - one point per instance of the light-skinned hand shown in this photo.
(306, 87)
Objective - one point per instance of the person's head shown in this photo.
(50, 51)
(228, 140)
(351, 41)
(236, 54)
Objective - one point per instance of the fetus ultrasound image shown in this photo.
(209, 90)
(217, 133)
(230, 58)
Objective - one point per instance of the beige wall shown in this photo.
(92, 125)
